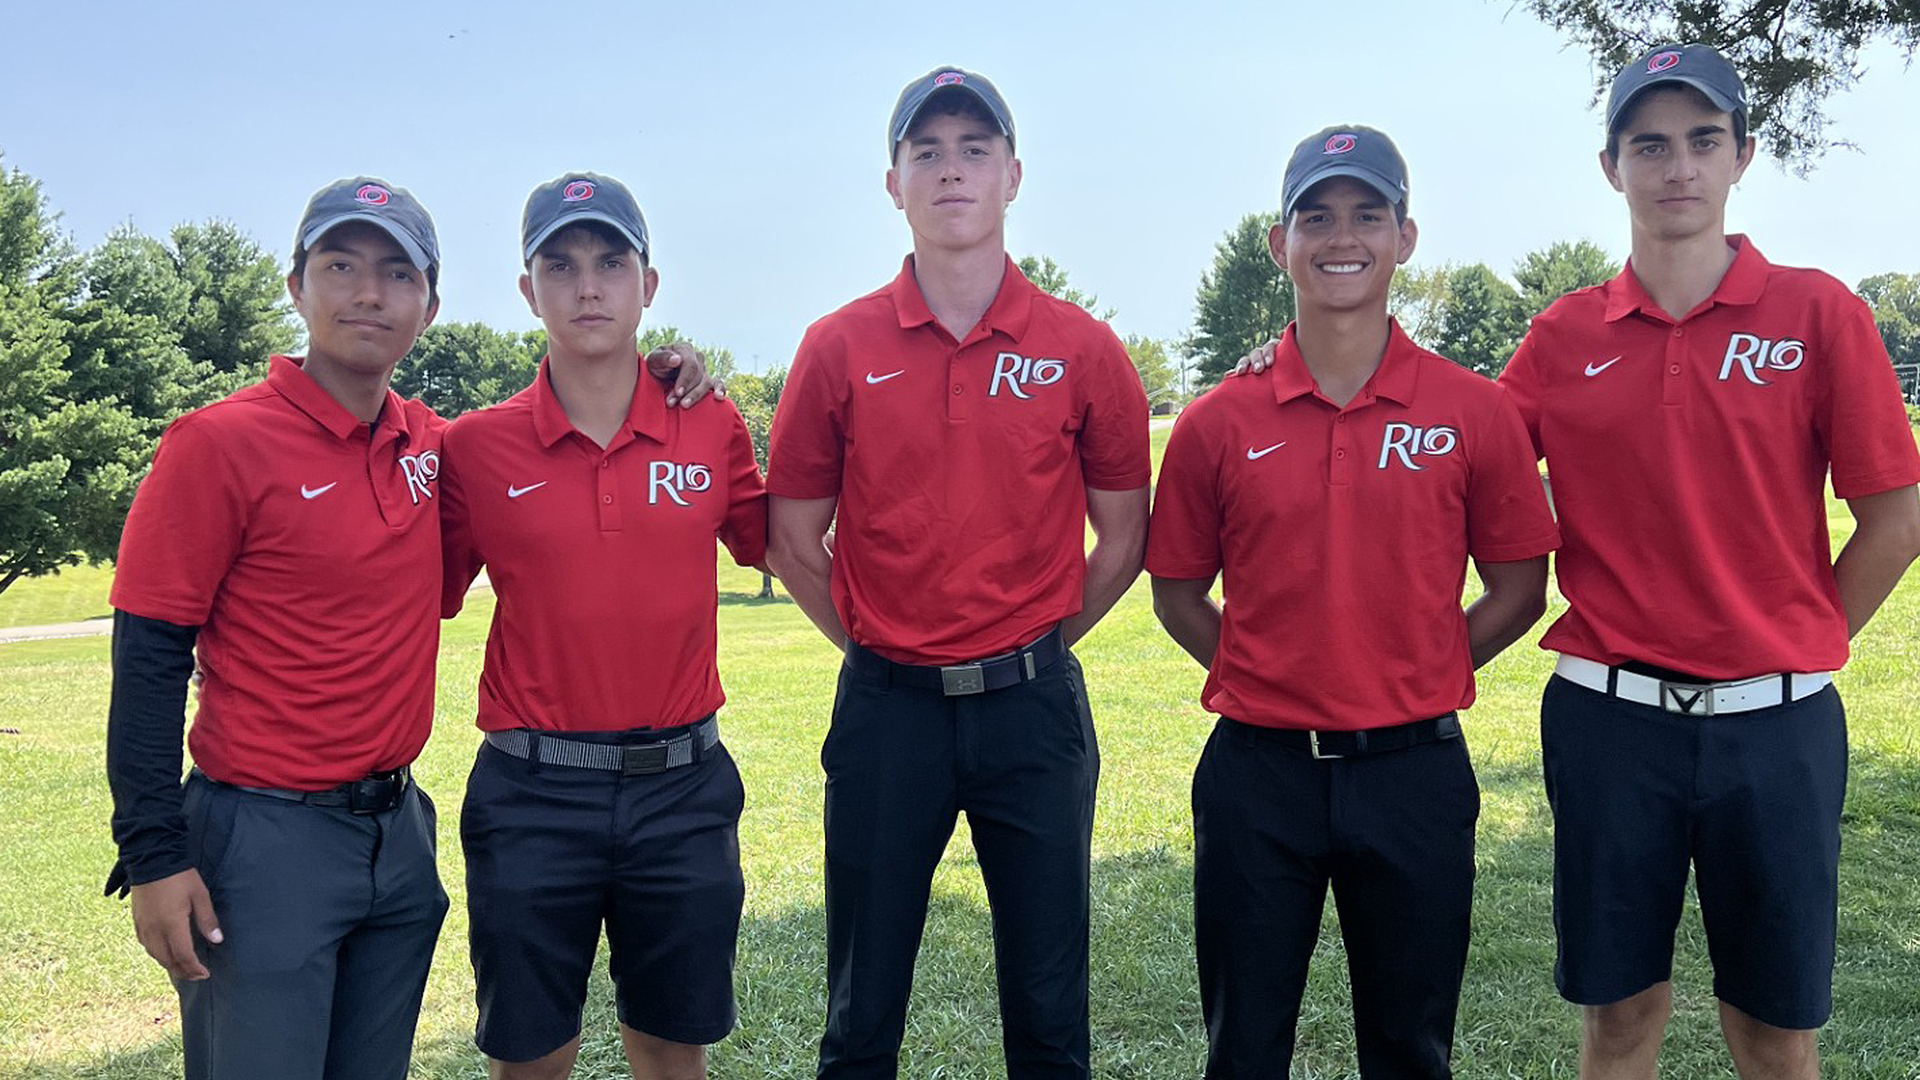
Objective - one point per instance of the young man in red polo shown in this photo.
(1343, 491)
(289, 535)
(602, 794)
(1690, 411)
(965, 428)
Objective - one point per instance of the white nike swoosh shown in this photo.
(1256, 455)
(872, 378)
(1595, 369)
(516, 492)
(314, 493)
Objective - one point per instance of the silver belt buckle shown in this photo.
(1313, 744)
(1690, 699)
(961, 679)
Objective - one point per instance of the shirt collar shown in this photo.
(1741, 285)
(1395, 378)
(288, 378)
(646, 414)
(1010, 312)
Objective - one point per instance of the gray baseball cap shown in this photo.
(1363, 153)
(581, 196)
(364, 198)
(945, 80)
(1696, 65)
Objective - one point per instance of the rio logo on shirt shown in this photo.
(420, 469)
(671, 478)
(1408, 441)
(1019, 371)
(1755, 354)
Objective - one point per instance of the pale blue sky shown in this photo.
(753, 134)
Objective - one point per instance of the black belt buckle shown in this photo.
(645, 759)
(374, 795)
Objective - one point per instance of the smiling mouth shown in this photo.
(1342, 268)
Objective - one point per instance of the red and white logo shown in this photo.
(1661, 61)
(1018, 371)
(1408, 441)
(1341, 143)
(578, 191)
(672, 479)
(949, 78)
(1755, 354)
(372, 195)
(420, 470)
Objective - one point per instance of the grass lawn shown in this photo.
(73, 594)
(78, 997)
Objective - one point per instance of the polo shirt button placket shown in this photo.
(1671, 391)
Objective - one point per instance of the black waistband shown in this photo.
(372, 794)
(973, 677)
(1341, 744)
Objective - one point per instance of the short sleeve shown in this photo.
(1183, 537)
(745, 529)
(460, 558)
(1521, 381)
(186, 528)
(1507, 514)
(1114, 454)
(807, 446)
(1863, 421)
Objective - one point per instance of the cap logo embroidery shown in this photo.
(1663, 61)
(1341, 143)
(578, 191)
(372, 195)
(949, 78)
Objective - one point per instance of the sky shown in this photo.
(754, 135)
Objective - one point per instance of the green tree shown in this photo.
(1792, 56)
(123, 333)
(1243, 300)
(1483, 321)
(458, 367)
(719, 359)
(1895, 300)
(1418, 299)
(238, 313)
(756, 396)
(1558, 269)
(1050, 278)
(1158, 374)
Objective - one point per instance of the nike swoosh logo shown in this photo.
(1595, 369)
(314, 493)
(872, 378)
(516, 492)
(1256, 455)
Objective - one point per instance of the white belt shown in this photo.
(1696, 699)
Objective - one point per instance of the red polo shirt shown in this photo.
(1688, 458)
(305, 545)
(601, 560)
(1344, 534)
(961, 467)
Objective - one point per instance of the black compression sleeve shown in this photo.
(152, 662)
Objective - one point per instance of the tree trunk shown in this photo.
(766, 586)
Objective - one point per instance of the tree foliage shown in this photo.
(1562, 267)
(1050, 278)
(1243, 300)
(756, 396)
(459, 367)
(1418, 299)
(1158, 373)
(1792, 54)
(1483, 321)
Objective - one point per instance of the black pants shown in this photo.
(901, 763)
(1393, 834)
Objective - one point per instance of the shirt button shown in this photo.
(1341, 419)
(608, 499)
(1673, 369)
(1677, 332)
(956, 388)
(605, 463)
(1339, 453)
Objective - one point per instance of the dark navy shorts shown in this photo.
(554, 852)
(1749, 801)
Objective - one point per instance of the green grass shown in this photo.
(78, 998)
(73, 594)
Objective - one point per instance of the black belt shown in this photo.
(628, 759)
(1340, 744)
(373, 794)
(977, 677)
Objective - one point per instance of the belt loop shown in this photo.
(533, 752)
(1786, 688)
(1613, 680)
(1360, 742)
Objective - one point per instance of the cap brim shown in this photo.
(416, 254)
(1719, 99)
(1387, 188)
(533, 243)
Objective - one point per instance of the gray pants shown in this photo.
(329, 920)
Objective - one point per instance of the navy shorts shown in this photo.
(554, 852)
(1750, 801)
